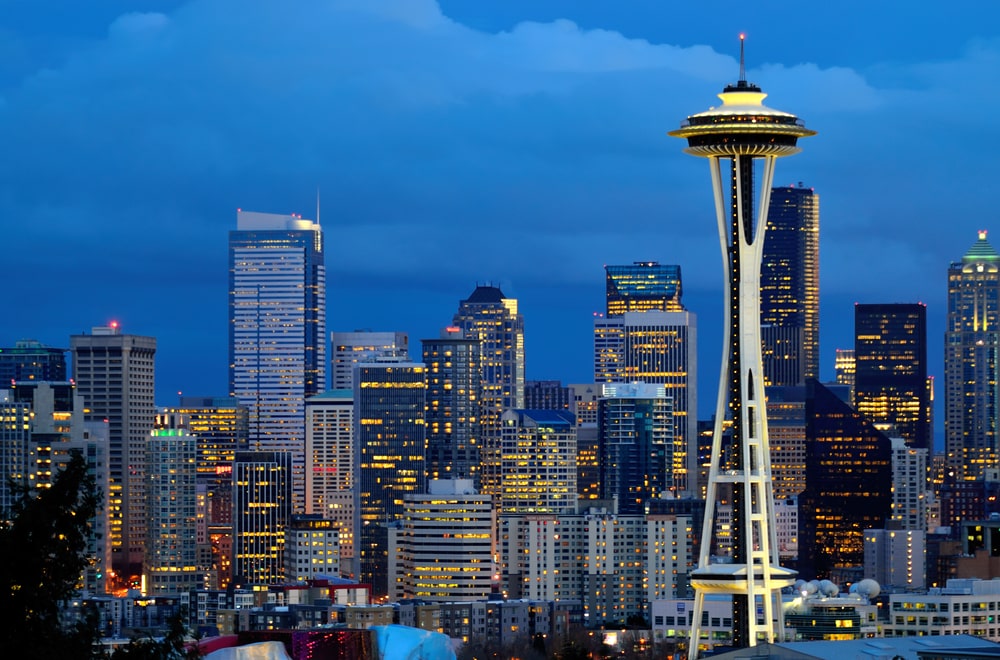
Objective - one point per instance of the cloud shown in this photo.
(444, 152)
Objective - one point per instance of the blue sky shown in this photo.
(520, 143)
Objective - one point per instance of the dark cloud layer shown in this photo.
(530, 154)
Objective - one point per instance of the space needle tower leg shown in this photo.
(741, 132)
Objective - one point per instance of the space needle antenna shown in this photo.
(743, 67)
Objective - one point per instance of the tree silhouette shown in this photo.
(43, 543)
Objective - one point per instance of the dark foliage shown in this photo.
(43, 543)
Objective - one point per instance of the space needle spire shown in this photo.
(742, 131)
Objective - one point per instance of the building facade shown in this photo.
(538, 462)
(115, 375)
(389, 434)
(643, 286)
(446, 543)
(351, 348)
(277, 330)
(31, 360)
(330, 476)
(492, 318)
(848, 484)
(171, 562)
(659, 348)
(972, 362)
(890, 381)
(789, 287)
(636, 445)
(262, 510)
(454, 383)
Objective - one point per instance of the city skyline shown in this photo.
(130, 126)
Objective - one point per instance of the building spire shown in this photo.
(743, 68)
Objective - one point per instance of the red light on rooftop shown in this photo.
(113, 324)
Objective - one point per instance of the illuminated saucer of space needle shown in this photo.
(742, 125)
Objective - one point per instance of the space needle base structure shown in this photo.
(744, 133)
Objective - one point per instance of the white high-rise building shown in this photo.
(350, 348)
(661, 348)
(445, 543)
(909, 485)
(115, 375)
(896, 558)
(330, 464)
(277, 330)
(312, 548)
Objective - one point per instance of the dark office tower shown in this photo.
(972, 363)
(389, 431)
(262, 509)
(643, 286)
(547, 395)
(848, 483)
(789, 287)
(492, 318)
(114, 374)
(277, 330)
(636, 445)
(890, 380)
(453, 384)
(30, 360)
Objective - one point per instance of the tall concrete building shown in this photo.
(890, 382)
(660, 348)
(262, 510)
(15, 438)
(972, 362)
(171, 564)
(636, 445)
(389, 435)
(492, 318)
(330, 476)
(789, 287)
(115, 375)
(909, 486)
(348, 349)
(277, 330)
(446, 543)
(454, 383)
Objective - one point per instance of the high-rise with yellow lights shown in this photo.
(972, 362)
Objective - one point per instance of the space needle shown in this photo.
(742, 131)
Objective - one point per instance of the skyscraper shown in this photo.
(636, 445)
(277, 329)
(262, 509)
(171, 562)
(351, 348)
(492, 318)
(972, 363)
(389, 432)
(789, 287)
(890, 380)
(848, 483)
(330, 476)
(736, 134)
(642, 287)
(115, 375)
(659, 348)
(454, 381)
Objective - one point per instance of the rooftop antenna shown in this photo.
(743, 68)
(317, 205)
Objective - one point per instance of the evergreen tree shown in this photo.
(43, 544)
